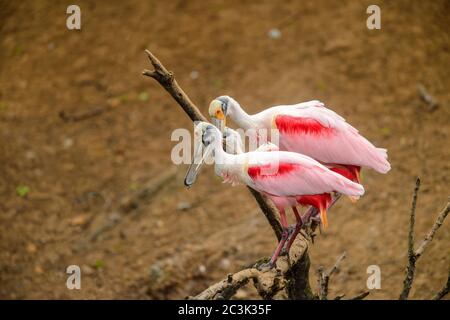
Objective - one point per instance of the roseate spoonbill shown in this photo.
(234, 145)
(311, 129)
(287, 178)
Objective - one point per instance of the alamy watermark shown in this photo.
(374, 280)
(73, 21)
(74, 279)
(374, 20)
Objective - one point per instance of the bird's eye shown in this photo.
(224, 107)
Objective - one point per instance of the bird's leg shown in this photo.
(309, 214)
(313, 213)
(283, 239)
(297, 229)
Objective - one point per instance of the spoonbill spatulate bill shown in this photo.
(287, 178)
(308, 128)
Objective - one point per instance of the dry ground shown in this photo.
(79, 173)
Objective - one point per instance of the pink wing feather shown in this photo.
(287, 174)
(323, 135)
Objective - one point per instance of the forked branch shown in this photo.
(414, 255)
(324, 277)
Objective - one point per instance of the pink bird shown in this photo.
(310, 129)
(287, 178)
(234, 145)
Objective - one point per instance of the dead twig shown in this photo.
(324, 277)
(444, 291)
(81, 115)
(414, 255)
(427, 98)
(437, 224)
(167, 80)
(410, 269)
(360, 296)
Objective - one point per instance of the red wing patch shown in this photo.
(272, 170)
(317, 200)
(289, 124)
(348, 171)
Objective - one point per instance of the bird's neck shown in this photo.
(227, 165)
(240, 117)
(220, 156)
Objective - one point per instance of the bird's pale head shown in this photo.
(205, 134)
(218, 111)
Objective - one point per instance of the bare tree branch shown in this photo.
(360, 296)
(337, 264)
(444, 291)
(437, 224)
(324, 277)
(414, 255)
(73, 117)
(167, 80)
(410, 269)
(427, 98)
(226, 288)
(268, 282)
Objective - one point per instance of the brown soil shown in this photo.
(80, 174)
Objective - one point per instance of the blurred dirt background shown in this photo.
(89, 192)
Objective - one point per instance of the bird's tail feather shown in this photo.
(380, 162)
(347, 187)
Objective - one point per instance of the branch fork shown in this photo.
(414, 255)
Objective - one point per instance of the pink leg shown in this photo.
(298, 226)
(284, 237)
(311, 212)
